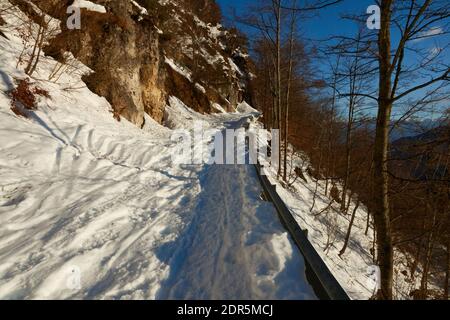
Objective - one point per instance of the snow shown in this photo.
(92, 208)
(218, 107)
(244, 108)
(181, 70)
(235, 249)
(142, 10)
(235, 67)
(214, 31)
(327, 230)
(177, 115)
(199, 87)
(351, 270)
(90, 6)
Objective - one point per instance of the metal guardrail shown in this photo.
(320, 277)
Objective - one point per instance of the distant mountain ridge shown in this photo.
(423, 157)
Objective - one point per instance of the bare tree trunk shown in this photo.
(288, 91)
(274, 111)
(418, 254)
(381, 178)
(349, 231)
(374, 246)
(447, 273)
(314, 196)
(330, 160)
(367, 222)
(353, 74)
(38, 55)
(347, 163)
(349, 202)
(319, 169)
(428, 256)
(277, 8)
(35, 48)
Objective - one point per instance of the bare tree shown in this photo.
(291, 41)
(411, 21)
(36, 29)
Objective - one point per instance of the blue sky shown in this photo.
(329, 22)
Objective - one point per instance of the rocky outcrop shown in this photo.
(122, 49)
(127, 50)
(207, 50)
(179, 86)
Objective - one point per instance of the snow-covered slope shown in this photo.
(326, 231)
(327, 226)
(92, 208)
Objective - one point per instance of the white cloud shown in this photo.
(429, 33)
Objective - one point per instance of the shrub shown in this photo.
(41, 92)
(24, 97)
(24, 94)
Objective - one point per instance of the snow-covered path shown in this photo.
(92, 208)
(234, 248)
(101, 201)
(114, 211)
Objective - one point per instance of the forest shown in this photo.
(351, 121)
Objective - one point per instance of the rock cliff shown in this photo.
(142, 52)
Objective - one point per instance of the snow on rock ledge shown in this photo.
(244, 107)
(88, 5)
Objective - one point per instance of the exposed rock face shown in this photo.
(207, 50)
(180, 86)
(127, 51)
(123, 50)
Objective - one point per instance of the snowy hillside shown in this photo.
(92, 205)
(93, 208)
